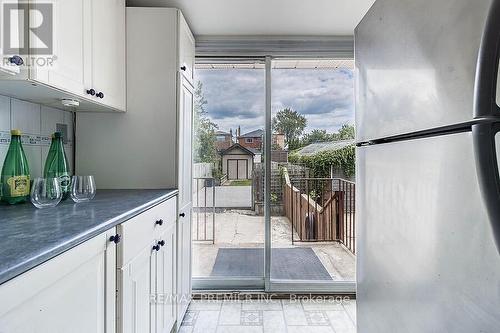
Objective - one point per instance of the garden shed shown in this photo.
(237, 162)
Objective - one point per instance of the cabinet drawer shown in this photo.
(142, 230)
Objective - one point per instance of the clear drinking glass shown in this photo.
(46, 192)
(82, 188)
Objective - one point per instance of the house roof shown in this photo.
(234, 146)
(222, 133)
(318, 147)
(253, 134)
(255, 151)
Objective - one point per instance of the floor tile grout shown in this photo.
(315, 316)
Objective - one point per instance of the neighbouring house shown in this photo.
(278, 141)
(257, 158)
(224, 140)
(252, 139)
(237, 162)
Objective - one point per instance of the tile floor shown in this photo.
(274, 316)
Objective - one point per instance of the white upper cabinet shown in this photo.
(186, 49)
(86, 61)
(186, 101)
(108, 52)
(8, 65)
(70, 69)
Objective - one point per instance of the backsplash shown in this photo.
(36, 123)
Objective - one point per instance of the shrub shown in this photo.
(320, 163)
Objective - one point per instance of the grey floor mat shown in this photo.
(299, 263)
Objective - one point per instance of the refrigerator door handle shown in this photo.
(485, 152)
(485, 105)
(486, 108)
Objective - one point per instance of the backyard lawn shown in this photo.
(243, 182)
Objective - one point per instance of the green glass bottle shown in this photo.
(56, 165)
(15, 176)
(50, 155)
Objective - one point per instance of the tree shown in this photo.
(291, 124)
(346, 132)
(316, 135)
(205, 150)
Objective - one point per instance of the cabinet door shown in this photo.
(184, 262)
(108, 52)
(185, 147)
(165, 281)
(186, 49)
(136, 287)
(5, 66)
(70, 67)
(74, 292)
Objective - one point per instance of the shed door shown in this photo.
(242, 169)
(237, 169)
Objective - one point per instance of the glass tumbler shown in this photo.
(46, 192)
(82, 188)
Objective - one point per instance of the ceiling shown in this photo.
(268, 17)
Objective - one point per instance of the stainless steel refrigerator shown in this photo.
(428, 194)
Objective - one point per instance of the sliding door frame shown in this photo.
(266, 283)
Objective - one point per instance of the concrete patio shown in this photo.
(244, 229)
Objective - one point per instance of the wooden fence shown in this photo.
(320, 209)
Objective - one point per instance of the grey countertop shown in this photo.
(30, 236)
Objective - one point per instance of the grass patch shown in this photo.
(243, 182)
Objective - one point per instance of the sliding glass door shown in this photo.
(312, 175)
(229, 174)
(274, 175)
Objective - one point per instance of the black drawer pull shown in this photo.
(183, 68)
(161, 243)
(182, 214)
(16, 60)
(156, 248)
(115, 239)
(159, 222)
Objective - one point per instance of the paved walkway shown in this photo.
(225, 197)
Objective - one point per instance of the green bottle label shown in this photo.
(19, 186)
(65, 181)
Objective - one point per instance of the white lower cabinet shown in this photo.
(101, 287)
(147, 277)
(184, 262)
(165, 282)
(73, 292)
(136, 312)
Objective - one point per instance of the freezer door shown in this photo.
(416, 65)
(426, 256)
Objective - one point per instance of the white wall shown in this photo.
(36, 123)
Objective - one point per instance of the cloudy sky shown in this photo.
(237, 96)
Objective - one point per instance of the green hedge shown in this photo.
(344, 159)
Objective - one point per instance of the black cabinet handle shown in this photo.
(182, 214)
(156, 248)
(100, 95)
(16, 60)
(161, 243)
(115, 239)
(91, 92)
(183, 68)
(159, 222)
